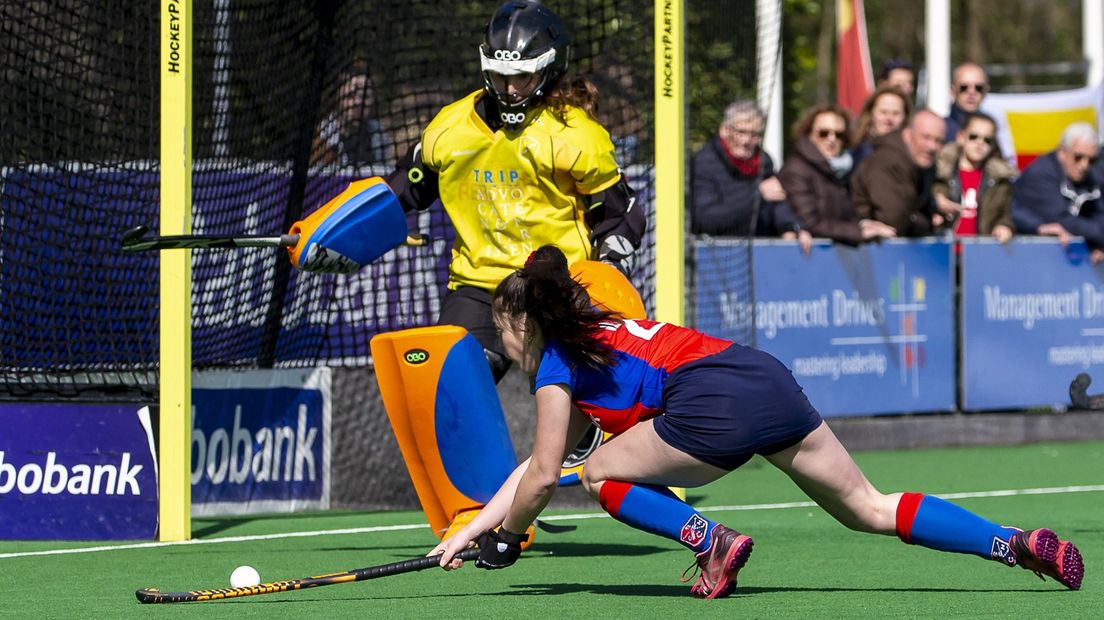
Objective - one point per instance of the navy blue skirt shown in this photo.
(727, 407)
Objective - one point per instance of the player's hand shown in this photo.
(448, 548)
(617, 251)
(499, 548)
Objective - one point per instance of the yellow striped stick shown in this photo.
(154, 595)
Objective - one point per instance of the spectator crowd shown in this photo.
(895, 171)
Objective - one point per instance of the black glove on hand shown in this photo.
(499, 548)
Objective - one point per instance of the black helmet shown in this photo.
(523, 37)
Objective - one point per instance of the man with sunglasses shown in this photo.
(894, 184)
(1058, 195)
(969, 87)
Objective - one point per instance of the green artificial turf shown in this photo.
(804, 564)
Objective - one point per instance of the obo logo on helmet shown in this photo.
(523, 37)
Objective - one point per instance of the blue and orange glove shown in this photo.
(351, 230)
(499, 548)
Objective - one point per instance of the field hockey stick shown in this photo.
(134, 240)
(153, 595)
(552, 528)
(351, 230)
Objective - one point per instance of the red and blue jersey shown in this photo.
(646, 353)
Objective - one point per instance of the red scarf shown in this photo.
(747, 167)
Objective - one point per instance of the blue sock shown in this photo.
(657, 510)
(938, 524)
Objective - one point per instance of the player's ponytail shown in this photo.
(573, 91)
(545, 293)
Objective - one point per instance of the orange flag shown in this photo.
(854, 79)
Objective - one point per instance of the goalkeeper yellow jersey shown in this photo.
(508, 193)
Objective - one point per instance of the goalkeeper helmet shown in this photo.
(527, 46)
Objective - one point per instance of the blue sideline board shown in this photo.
(866, 331)
(1032, 319)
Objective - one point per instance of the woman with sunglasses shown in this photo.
(973, 182)
(815, 177)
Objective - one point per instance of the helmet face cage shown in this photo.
(523, 37)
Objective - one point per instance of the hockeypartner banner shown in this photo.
(1032, 320)
(865, 331)
(72, 471)
(260, 441)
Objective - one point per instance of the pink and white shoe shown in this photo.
(1043, 553)
(719, 564)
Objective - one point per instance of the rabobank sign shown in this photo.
(260, 441)
(76, 471)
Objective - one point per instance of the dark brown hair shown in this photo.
(545, 293)
(804, 125)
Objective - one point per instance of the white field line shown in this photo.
(569, 517)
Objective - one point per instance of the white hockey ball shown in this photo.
(244, 576)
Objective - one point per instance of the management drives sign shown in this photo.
(260, 441)
(1026, 338)
(865, 331)
(72, 471)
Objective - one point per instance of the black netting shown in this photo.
(728, 59)
(78, 149)
(291, 101)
